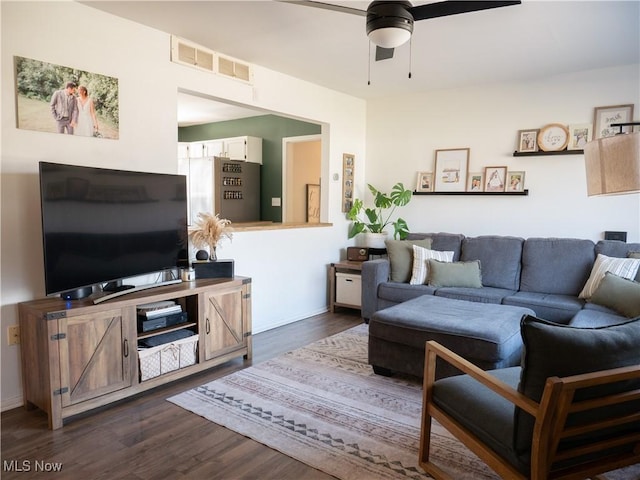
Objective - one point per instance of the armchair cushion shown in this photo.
(554, 350)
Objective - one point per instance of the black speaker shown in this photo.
(217, 269)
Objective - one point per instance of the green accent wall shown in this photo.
(272, 129)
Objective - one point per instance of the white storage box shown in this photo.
(348, 288)
(165, 358)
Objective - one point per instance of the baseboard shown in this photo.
(11, 403)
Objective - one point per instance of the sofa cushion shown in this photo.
(574, 351)
(556, 265)
(596, 316)
(454, 274)
(619, 294)
(482, 295)
(500, 259)
(554, 307)
(401, 292)
(400, 253)
(623, 267)
(445, 242)
(421, 257)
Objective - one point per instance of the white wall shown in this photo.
(283, 290)
(404, 132)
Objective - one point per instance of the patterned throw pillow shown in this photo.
(421, 257)
(622, 267)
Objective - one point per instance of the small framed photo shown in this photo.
(579, 135)
(603, 117)
(528, 140)
(424, 182)
(515, 182)
(451, 170)
(475, 182)
(495, 179)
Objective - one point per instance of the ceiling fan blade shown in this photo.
(327, 6)
(383, 53)
(443, 9)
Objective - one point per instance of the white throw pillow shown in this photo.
(622, 267)
(421, 257)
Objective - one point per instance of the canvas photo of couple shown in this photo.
(57, 99)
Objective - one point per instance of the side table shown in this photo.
(345, 285)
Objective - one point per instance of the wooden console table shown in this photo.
(77, 356)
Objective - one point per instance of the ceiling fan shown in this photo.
(390, 23)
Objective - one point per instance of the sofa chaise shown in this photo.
(488, 284)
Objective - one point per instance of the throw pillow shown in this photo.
(552, 349)
(618, 294)
(400, 254)
(623, 267)
(421, 256)
(635, 255)
(455, 274)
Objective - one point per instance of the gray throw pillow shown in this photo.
(635, 255)
(618, 294)
(400, 253)
(455, 274)
(551, 349)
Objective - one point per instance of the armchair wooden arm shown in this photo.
(550, 415)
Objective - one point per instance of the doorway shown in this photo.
(301, 167)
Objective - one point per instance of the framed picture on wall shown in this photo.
(579, 135)
(59, 99)
(603, 117)
(348, 172)
(424, 182)
(451, 170)
(515, 182)
(495, 179)
(528, 140)
(475, 182)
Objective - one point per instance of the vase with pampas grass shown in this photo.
(208, 231)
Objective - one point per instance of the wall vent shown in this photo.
(231, 67)
(187, 53)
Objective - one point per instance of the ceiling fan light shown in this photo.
(389, 37)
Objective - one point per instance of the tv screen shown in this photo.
(101, 225)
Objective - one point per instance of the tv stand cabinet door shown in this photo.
(224, 322)
(97, 355)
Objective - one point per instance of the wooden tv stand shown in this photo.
(77, 356)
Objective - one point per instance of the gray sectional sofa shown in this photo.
(534, 276)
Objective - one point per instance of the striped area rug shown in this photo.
(323, 405)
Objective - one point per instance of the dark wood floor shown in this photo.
(147, 437)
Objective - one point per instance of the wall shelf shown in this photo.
(542, 153)
(503, 194)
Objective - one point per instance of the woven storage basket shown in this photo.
(168, 357)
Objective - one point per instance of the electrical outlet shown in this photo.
(13, 335)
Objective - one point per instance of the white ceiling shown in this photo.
(536, 39)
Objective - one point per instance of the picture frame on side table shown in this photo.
(579, 135)
(528, 140)
(603, 117)
(515, 181)
(424, 182)
(452, 167)
(475, 182)
(495, 179)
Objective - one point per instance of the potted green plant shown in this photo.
(376, 219)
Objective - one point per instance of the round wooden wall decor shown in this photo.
(553, 137)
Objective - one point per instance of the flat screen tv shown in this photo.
(101, 226)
